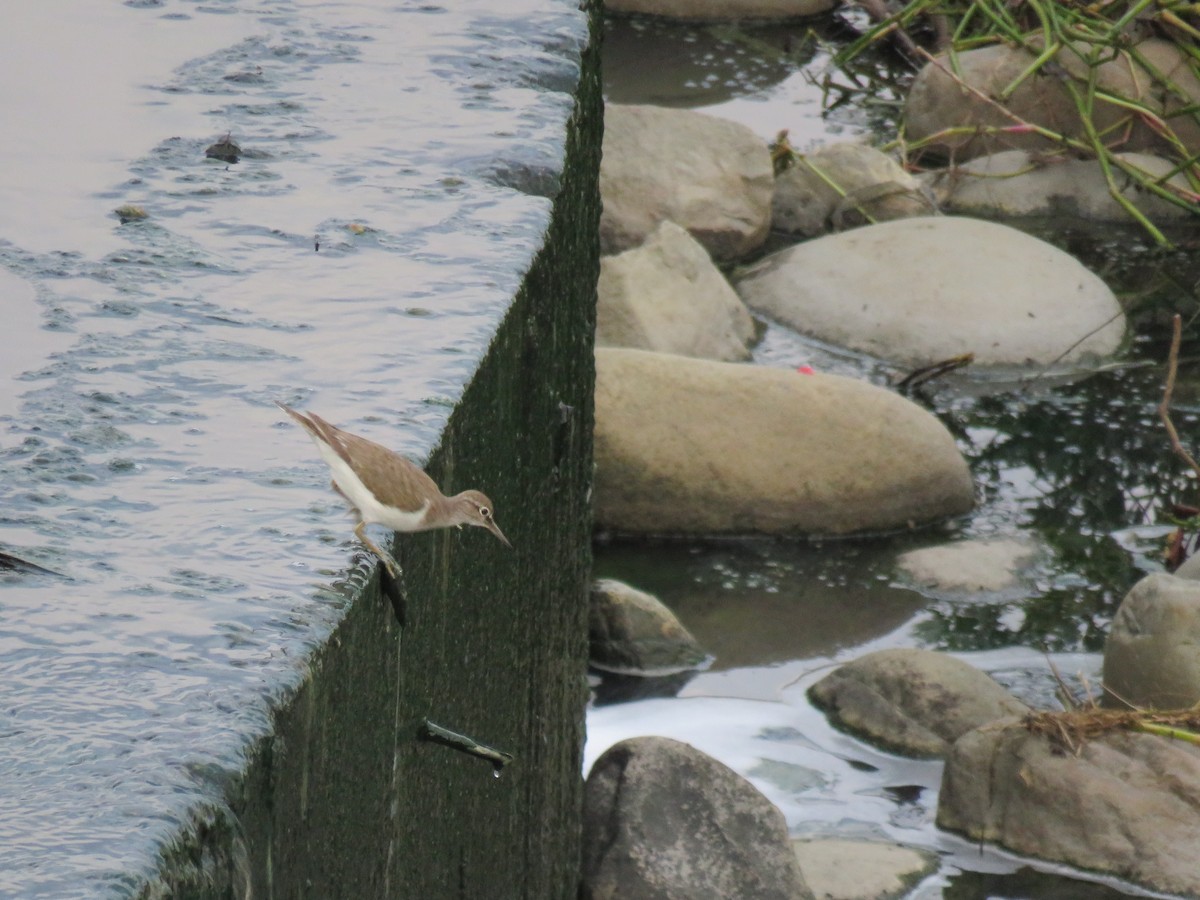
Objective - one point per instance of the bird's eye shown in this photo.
(485, 512)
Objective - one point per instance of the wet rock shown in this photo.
(721, 9)
(871, 183)
(226, 150)
(1190, 568)
(632, 632)
(10, 563)
(837, 869)
(922, 290)
(130, 212)
(693, 446)
(708, 175)
(1018, 183)
(667, 295)
(1127, 804)
(937, 102)
(1152, 657)
(914, 702)
(661, 819)
(968, 566)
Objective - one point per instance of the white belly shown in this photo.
(372, 512)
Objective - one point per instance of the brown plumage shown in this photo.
(382, 487)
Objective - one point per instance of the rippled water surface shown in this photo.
(1076, 463)
(179, 541)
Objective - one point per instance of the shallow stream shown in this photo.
(1077, 463)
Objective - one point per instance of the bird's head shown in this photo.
(474, 508)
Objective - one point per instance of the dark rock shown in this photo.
(663, 820)
(632, 632)
(225, 150)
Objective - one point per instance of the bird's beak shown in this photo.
(495, 529)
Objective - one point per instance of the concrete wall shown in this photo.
(345, 799)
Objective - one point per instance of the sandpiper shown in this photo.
(384, 488)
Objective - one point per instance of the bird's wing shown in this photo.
(386, 474)
(389, 476)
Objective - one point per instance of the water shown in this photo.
(1076, 463)
(767, 76)
(195, 553)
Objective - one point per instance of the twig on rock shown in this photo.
(1164, 408)
(1071, 729)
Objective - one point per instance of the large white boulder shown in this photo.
(693, 446)
(918, 291)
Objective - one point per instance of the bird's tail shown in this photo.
(318, 429)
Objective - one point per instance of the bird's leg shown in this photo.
(393, 567)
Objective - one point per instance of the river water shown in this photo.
(1075, 464)
(184, 550)
(194, 554)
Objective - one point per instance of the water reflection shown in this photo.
(758, 74)
(759, 603)
(1075, 463)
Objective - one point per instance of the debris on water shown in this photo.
(130, 213)
(225, 149)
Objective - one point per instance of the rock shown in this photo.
(1126, 804)
(632, 632)
(225, 150)
(721, 9)
(914, 702)
(130, 212)
(711, 176)
(936, 101)
(661, 819)
(1152, 657)
(1017, 183)
(667, 295)
(692, 446)
(1178, 103)
(806, 202)
(838, 869)
(922, 290)
(1190, 568)
(968, 566)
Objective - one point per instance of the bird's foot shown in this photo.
(391, 565)
(386, 558)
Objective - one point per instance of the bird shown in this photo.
(384, 488)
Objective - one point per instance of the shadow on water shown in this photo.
(1022, 884)
(764, 602)
(765, 75)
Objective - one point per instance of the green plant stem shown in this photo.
(1178, 734)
